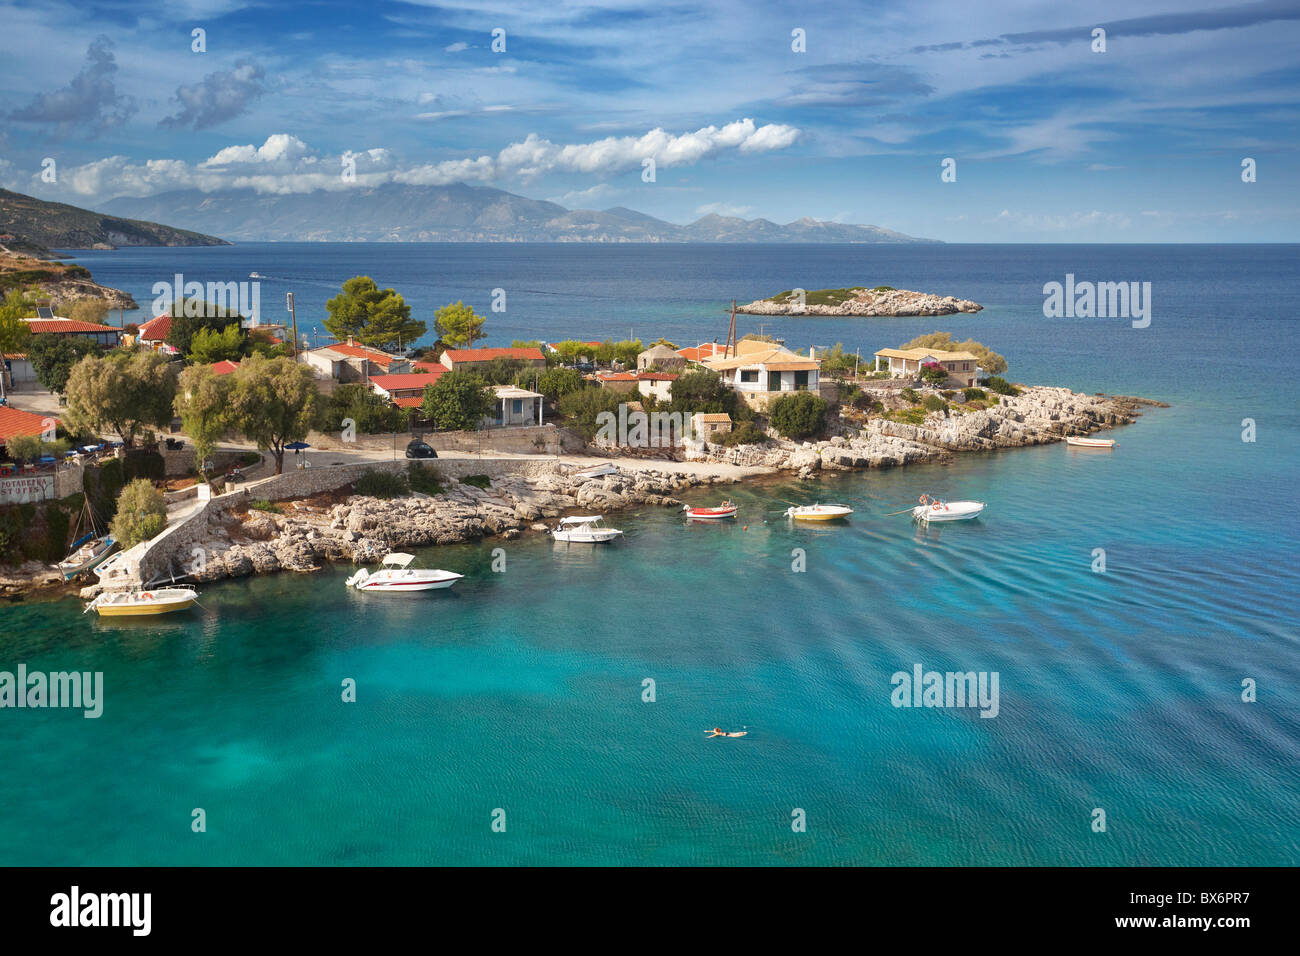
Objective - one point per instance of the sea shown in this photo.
(1137, 608)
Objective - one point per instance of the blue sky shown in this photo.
(1053, 142)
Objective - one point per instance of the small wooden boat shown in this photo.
(584, 530)
(599, 471)
(1090, 442)
(724, 510)
(818, 512)
(90, 551)
(932, 509)
(143, 602)
(397, 576)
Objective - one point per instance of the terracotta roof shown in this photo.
(409, 401)
(617, 377)
(409, 380)
(657, 377)
(14, 421)
(224, 367)
(698, 353)
(712, 416)
(487, 355)
(59, 324)
(157, 328)
(378, 356)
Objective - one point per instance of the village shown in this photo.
(123, 446)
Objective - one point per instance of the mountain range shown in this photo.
(396, 212)
(40, 225)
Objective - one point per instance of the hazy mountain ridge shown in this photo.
(45, 224)
(397, 212)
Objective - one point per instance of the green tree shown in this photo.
(52, 357)
(371, 412)
(24, 447)
(555, 383)
(991, 362)
(191, 316)
(705, 391)
(582, 409)
(836, 362)
(273, 402)
(141, 514)
(371, 315)
(14, 332)
(458, 401)
(214, 345)
(89, 310)
(202, 402)
(500, 371)
(798, 414)
(126, 391)
(458, 325)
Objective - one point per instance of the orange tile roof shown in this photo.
(698, 353)
(409, 401)
(66, 325)
(224, 367)
(617, 377)
(157, 328)
(656, 377)
(14, 421)
(378, 356)
(410, 380)
(487, 355)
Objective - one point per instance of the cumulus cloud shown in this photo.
(90, 100)
(217, 97)
(285, 164)
(456, 47)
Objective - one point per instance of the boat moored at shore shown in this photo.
(143, 603)
(396, 576)
(1090, 442)
(722, 511)
(818, 512)
(584, 530)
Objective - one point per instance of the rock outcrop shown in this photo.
(866, 302)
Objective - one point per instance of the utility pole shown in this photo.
(288, 302)
(731, 333)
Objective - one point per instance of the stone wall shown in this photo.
(512, 440)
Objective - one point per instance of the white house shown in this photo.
(656, 384)
(762, 371)
(515, 406)
(962, 367)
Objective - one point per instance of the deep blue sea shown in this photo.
(522, 691)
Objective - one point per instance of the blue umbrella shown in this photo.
(295, 445)
(47, 460)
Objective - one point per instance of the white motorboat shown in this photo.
(599, 471)
(584, 530)
(143, 602)
(396, 575)
(932, 509)
(818, 512)
(1090, 442)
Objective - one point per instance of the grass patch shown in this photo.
(478, 481)
(380, 484)
(907, 416)
(424, 479)
(261, 504)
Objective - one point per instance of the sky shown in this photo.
(842, 111)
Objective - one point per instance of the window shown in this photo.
(801, 380)
(519, 406)
(748, 375)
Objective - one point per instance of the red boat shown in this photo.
(724, 510)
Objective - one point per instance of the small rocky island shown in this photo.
(859, 301)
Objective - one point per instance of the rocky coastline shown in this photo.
(865, 303)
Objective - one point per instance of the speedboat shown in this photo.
(724, 510)
(818, 512)
(90, 551)
(139, 603)
(932, 509)
(1090, 442)
(599, 471)
(396, 575)
(584, 530)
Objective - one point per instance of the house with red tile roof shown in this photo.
(658, 384)
(463, 359)
(349, 362)
(154, 332)
(105, 335)
(224, 367)
(622, 382)
(14, 421)
(405, 390)
(703, 353)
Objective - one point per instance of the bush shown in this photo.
(995, 383)
(798, 414)
(933, 403)
(582, 409)
(261, 504)
(911, 395)
(458, 401)
(555, 383)
(948, 394)
(424, 479)
(934, 373)
(478, 481)
(141, 513)
(974, 394)
(380, 484)
(884, 288)
(907, 416)
(746, 434)
(24, 447)
(372, 413)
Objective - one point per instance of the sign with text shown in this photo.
(16, 491)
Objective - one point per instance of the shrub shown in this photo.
(996, 383)
(934, 373)
(974, 394)
(948, 394)
(261, 504)
(907, 416)
(798, 414)
(933, 403)
(582, 409)
(746, 434)
(141, 513)
(478, 481)
(911, 395)
(884, 288)
(424, 479)
(372, 413)
(557, 382)
(380, 484)
(24, 447)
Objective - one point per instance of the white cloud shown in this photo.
(456, 47)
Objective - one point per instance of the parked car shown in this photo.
(420, 449)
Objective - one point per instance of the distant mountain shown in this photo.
(39, 225)
(396, 212)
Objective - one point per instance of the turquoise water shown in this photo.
(523, 690)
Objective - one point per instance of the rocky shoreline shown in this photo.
(866, 302)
